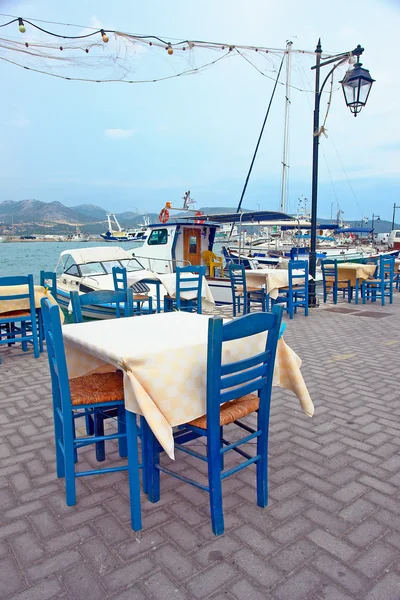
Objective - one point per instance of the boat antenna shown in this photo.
(259, 140)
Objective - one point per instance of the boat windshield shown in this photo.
(106, 266)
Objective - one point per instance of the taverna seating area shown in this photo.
(126, 457)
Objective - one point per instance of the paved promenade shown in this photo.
(332, 527)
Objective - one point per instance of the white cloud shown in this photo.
(119, 134)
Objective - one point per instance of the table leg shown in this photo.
(357, 290)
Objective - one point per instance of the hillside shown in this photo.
(95, 213)
(40, 212)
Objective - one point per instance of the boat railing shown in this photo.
(161, 265)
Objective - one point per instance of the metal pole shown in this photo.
(394, 214)
(314, 196)
(285, 153)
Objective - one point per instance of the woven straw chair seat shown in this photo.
(239, 289)
(15, 313)
(97, 388)
(140, 297)
(231, 411)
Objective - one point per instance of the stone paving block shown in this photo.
(356, 511)
(10, 577)
(299, 585)
(289, 558)
(45, 590)
(129, 574)
(340, 573)
(208, 581)
(244, 589)
(160, 587)
(365, 533)
(256, 568)
(387, 587)
(375, 559)
(332, 544)
(27, 548)
(83, 584)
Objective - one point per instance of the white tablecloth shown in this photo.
(164, 361)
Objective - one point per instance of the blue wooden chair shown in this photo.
(382, 285)
(296, 294)
(234, 390)
(48, 280)
(123, 308)
(19, 325)
(332, 283)
(193, 282)
(120, 279)
(123, 301)
(240, 290)
(93, 392)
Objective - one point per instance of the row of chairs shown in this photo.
(242, 388)
(379, 286)
(292, 297)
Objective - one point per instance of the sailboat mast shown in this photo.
(285, 153)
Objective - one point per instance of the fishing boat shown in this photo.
(124, 235)
(78, 236)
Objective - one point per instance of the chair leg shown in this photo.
(58, 438)
(221, 445)
(99, 432)
(215, 484)
(69, 450)
(153, 459)
(122, 443)
(89, 424)
(144, 451)
(133, 471)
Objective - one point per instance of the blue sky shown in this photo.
(128, 147)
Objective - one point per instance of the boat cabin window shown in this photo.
(158, 237)
(397, 235)
(72, 270)
(94, 268)
(131, 265)
(193, 244)
(109, 264)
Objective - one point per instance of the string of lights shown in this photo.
(109, 50)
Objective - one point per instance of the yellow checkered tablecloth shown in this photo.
(164, 359)
(273, 279)
(354, 271)
(23, 303)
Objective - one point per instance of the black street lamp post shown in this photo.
(356, 86)
(395, 207)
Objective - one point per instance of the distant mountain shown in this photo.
(39, 212)
(95, 213)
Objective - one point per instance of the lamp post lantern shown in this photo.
(377, 217)
(356, 86)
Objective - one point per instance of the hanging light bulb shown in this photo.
(21, 25)
(104, 36)
(169, 49)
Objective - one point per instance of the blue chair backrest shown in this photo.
(16, 280)
(56, 354)
(386, 267)
(245, 376)
(296, 252)
(48, 279)
(298, 270)
(122, 301)
(329, 269)
(194, 281)
(237, 276)
(120, 278)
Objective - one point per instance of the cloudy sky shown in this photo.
(128, 147)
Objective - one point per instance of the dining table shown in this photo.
(355, 273)
(272, 279)
(164, 362)
(166, 285)
(40, 292)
